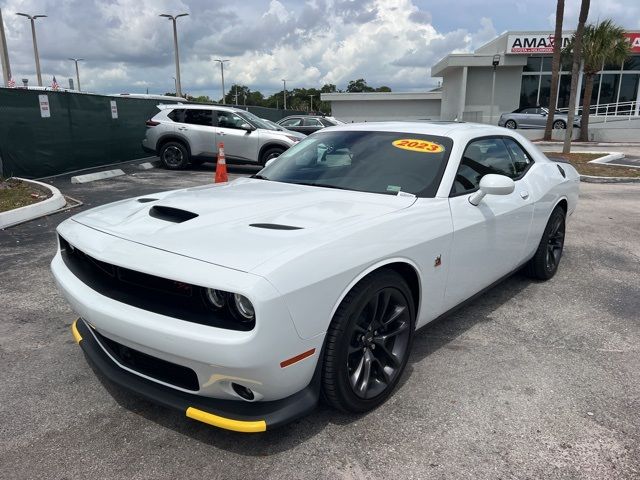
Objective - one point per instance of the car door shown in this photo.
(525, 118)
(311, 125)
(196, 125)
(489, 240)
(293, 123)
(539, 120)
(239, 144)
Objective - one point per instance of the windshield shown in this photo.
(256, 121)
(377, 162)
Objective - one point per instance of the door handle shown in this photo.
(220, 133)
(524, 194)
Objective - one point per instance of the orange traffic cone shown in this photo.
(221, 166)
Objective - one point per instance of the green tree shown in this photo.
(603, 42)
(555, 69)
(383, 88)
(359, 85)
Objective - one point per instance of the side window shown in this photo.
(198, 117)
(530, 110)
(520, 158)
(313, 122)
(326, 123)
(481, 157)
(177, 115)
(229, 120)
(292, 122)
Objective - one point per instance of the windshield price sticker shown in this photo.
(416, 145)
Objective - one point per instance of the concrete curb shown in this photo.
(91, 177)
(592, 179)
(29, 212)
(606, 158)
(146, 166)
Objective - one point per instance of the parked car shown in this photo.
(184, 134)
(239, 303)
(535, 117)
(308, 124)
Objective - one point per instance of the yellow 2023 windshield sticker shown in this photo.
(416, 145)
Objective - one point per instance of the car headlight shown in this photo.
(215, 298)
(234, 305)
(244, 307)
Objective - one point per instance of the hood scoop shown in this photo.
(274, 226)
(170, 214)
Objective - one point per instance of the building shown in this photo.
(522, 78)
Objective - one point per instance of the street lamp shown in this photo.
(311, 102)
(285, 93)
(35, 43)
(495, 63)
(222, 62)
(173, 18)
(175, 85)
(76, 60)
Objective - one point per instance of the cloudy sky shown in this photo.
(129, 48)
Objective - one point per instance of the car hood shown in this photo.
(241, 224)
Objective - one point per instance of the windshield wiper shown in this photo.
(257, 176)
(325, 185)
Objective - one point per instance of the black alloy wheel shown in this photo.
(546, 260)
(559, 125)
(511, 124)
(369, 342)
(174, 156)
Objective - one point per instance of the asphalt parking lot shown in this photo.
(531, 380)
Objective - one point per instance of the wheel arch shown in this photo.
(403, 266)
(172, 138)
(269, 145)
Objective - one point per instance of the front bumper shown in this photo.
(227, 414)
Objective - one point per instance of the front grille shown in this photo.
(150, 366)
(155, 294)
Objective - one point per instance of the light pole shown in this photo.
(35, 42)
(285, 93)
(4, 54)
(496, 62)
(222, 62)
(76, 60)
(173, 18)
(311, 102)
(175, 85)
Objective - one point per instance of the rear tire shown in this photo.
(546, 260)
(270, 153)
(174, 156)
(511, 124)
(559, 125)
(368, 343)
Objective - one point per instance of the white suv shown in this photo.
(184, 134)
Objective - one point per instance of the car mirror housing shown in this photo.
(248, 127)
(492, 184)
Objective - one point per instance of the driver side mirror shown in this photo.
(492, 184)
(247, 127)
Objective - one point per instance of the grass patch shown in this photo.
(16, 194)
(581, 162)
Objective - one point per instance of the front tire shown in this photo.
(270, 153)
(544, 263)
(511, 124)
(174, 156)
(368, 343)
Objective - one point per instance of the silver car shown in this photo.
(534, 117)
(189, 134)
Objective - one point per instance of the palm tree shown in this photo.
(604, 42)
(555, 69)
(575, 69)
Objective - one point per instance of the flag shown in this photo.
(54, 84)
(12, 82)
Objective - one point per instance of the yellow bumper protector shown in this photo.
(227, 423)
(74, 330)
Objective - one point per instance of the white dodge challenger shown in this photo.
(240, 303)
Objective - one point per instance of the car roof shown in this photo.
(202, 106)
(443, 129)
